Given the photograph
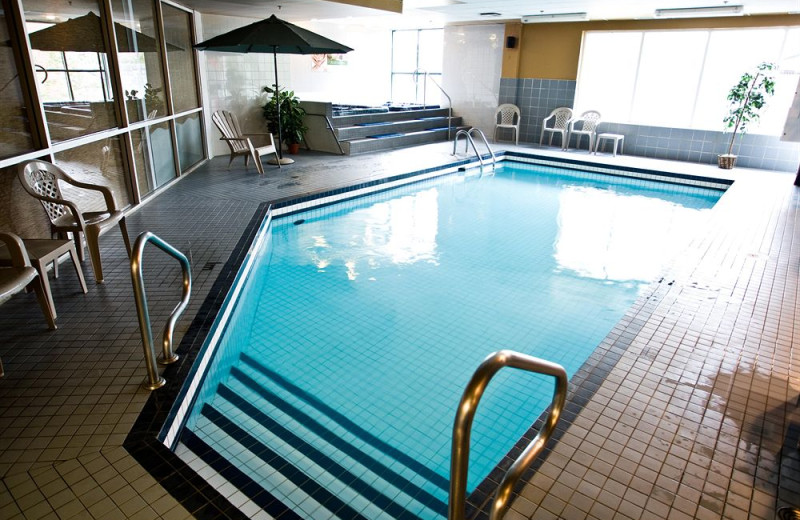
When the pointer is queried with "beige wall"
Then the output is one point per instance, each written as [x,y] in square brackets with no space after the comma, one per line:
[551,50]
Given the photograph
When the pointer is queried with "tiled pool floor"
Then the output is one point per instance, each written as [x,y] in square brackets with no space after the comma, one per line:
[697,415]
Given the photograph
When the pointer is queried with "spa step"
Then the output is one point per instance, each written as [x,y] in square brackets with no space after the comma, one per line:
[364,130]
[295,458]
[406,115]
[357,146]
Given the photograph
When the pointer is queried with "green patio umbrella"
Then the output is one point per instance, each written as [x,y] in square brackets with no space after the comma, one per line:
[276,36]
[84,34]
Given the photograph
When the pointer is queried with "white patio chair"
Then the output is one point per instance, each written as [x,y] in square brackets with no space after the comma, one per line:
[507,116]
[588,121]
[240,143]
[561,115]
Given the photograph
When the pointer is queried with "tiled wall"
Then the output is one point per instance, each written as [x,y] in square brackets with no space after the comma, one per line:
[536,98]
[233,81]
[473,57]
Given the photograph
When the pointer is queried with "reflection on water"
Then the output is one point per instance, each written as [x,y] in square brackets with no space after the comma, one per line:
[606,235]
[399,231]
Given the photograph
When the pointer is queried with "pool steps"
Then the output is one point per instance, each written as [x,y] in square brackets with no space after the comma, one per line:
[355,133]
[361,474]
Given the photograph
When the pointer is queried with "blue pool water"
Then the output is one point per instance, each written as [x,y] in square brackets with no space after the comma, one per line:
[361,323]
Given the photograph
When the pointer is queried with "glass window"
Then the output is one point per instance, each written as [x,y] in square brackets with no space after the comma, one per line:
[681,78]
[671,70]
[190,140]
[96,163]
[70,59]
[415,50]
[180,57]
[139,58]
[15,137]
[162,153]
[613,80]
[152,154]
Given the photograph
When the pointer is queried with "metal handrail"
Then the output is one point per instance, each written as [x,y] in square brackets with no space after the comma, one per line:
[467,142]
[485,141]
[168,356]
[462,427]
[425,98]
[329,124]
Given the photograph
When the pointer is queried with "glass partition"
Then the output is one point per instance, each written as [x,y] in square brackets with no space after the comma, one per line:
[190,140]
[162,154]
[15,137]
[96,163]
[71,63]
[139,58]
[180,58]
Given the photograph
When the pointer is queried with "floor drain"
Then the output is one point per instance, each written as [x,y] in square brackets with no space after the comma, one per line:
[298,222]
[210,265]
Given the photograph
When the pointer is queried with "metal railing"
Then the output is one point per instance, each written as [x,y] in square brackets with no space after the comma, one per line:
[168,356]
[330,127]
[462,427]
[469,141]
[422,72]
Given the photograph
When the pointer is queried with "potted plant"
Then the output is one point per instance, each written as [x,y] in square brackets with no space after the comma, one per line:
[292,127]
[747,98]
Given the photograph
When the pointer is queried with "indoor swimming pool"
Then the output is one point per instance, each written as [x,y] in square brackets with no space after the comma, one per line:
[336,375]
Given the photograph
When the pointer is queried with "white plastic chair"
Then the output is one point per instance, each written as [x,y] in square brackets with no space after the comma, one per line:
[507,116]
[588,126]
[40,179]
[562,116]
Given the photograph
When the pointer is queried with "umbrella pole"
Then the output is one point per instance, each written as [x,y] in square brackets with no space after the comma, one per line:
[280,159]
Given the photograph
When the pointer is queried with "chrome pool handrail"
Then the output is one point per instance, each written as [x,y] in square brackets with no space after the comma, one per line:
[485,141]
[462,427]
[469,141]
[168,356]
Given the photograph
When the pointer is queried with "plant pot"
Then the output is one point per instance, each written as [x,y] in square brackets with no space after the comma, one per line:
[293,148]
[726,161]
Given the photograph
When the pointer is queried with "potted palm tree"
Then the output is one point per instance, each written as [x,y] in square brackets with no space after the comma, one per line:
[292,128]
[746,98]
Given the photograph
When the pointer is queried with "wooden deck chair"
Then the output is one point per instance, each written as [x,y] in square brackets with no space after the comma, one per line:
[239,143]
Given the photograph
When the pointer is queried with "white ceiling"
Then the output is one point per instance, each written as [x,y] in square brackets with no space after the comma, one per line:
[424,13]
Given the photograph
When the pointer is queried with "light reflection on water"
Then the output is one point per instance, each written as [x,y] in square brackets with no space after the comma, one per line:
[606,235]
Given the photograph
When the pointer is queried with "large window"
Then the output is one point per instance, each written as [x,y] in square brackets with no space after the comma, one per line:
[680,79]
[414,52]
[70,59]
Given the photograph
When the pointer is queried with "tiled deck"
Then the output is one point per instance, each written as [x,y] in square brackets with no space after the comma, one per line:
[696,416]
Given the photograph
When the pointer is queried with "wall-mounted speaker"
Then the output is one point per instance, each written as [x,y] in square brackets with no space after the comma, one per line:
[511,42]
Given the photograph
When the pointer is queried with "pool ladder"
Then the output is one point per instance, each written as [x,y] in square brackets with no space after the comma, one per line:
[154,380]
[470,141]
[462,427]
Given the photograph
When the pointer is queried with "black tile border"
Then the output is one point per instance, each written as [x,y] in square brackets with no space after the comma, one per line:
[206,503]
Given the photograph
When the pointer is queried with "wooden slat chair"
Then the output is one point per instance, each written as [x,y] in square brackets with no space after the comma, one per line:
[240,143]
[22,274]
[40,179]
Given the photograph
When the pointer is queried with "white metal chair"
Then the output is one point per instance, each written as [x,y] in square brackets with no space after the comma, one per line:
[589,121]
[239,143]
[507,116]
[561,116]
[40,179]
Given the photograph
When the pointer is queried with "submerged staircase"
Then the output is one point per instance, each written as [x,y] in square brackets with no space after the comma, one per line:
[351,130]
[290,445]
